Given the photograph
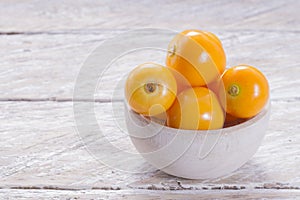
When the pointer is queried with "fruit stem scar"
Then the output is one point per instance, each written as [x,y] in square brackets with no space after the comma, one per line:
[173,50]
[150,87]
[234,90]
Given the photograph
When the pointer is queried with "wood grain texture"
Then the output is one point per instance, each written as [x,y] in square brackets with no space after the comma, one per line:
[145,195]
[43,46]
[32,66]
[40,147]
[87,16]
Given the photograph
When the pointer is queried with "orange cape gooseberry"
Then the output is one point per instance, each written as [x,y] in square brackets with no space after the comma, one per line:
[197,55]
[150,89]
[247,91]
[196,109]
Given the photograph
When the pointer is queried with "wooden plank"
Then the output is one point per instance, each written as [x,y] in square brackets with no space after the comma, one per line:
[146,195]
[36,67]
[43,46]
[40,147]
[73,16]
[29,69]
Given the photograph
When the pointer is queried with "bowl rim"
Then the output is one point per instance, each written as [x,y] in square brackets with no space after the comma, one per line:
[248,123]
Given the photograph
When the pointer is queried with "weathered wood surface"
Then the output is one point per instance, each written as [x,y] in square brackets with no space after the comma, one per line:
[47,151]
[32,66]
[87,16]
[145,194]
[44,44]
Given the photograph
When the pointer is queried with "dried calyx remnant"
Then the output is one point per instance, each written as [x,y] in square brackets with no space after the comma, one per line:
[172,50]
[150,87]
[234,90]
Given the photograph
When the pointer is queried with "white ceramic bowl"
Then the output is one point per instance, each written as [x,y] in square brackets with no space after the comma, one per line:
[197,154]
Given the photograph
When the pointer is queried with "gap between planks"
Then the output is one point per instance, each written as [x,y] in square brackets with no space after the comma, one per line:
[264,187]
[59,99]
[99,31]
[55,99]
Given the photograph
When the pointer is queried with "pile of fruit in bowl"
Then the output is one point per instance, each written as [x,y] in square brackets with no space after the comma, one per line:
[211,119]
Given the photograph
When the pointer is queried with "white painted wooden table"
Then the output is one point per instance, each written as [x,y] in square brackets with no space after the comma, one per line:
[44,44]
